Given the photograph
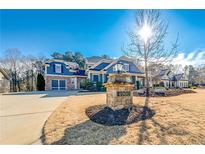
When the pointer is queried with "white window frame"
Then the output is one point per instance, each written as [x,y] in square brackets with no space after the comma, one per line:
[74,82]
[126,67]
[58,68]
[93,77]
[58,88]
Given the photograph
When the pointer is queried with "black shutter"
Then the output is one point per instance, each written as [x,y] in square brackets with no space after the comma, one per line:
[61,68]
[54,68]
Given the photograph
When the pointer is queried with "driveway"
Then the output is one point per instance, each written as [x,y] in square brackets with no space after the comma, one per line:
[22,115]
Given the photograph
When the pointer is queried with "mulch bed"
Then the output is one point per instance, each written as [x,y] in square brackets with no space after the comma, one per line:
[166,93]
[104,115]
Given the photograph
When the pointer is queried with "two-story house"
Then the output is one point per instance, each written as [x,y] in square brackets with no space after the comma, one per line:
[99,72]
[61,75]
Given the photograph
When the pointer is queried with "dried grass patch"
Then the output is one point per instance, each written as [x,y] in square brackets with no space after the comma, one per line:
[178,120]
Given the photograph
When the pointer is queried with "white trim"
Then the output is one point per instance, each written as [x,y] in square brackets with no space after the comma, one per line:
[58,88]
[75,83]
[54,60]
[134,74]
[45,73]
[97,72]
[103,78]
[98,77]
[101,61]
[56,75]
[115,61]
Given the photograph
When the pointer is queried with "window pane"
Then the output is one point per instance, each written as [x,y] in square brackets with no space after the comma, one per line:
[95,78]
[58,68]
[54,83]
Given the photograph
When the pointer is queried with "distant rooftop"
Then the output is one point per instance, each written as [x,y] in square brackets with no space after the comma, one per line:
[95,59]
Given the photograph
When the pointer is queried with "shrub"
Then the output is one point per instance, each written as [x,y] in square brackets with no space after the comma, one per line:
[161,84]
[40,82]
[99,86]
[192,86]
[86,84]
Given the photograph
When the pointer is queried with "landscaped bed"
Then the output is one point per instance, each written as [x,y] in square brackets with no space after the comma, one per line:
[177,120]
[165,93]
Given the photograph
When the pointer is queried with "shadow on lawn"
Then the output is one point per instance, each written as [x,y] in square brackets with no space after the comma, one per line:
[163,131]
[89,133]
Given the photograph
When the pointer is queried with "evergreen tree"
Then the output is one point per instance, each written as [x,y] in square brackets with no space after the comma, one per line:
[40,82]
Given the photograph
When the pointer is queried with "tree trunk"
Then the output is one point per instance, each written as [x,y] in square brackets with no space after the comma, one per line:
[27,81]
[146,71]
[146,80]
[31,80]
[15,82]
[19,87]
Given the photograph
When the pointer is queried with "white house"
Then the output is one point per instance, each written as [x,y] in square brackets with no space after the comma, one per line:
[168,79]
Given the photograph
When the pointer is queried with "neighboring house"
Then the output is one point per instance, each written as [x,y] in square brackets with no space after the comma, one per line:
[180,80]
[61,75]
[167,79]
[4,81]
[100,71]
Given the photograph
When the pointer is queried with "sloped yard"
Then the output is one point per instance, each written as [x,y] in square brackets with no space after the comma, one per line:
[177,120]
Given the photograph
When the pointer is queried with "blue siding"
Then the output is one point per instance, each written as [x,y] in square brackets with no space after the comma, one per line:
[132,67]
[64,70]
[100,66]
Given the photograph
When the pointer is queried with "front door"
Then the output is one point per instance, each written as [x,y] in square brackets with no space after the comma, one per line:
[138,85]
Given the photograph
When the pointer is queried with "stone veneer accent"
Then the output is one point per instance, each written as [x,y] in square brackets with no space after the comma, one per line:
[113,99]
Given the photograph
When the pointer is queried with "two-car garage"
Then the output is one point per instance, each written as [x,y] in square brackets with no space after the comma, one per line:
[63,82]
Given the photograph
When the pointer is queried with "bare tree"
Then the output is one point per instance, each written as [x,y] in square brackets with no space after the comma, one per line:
[29,71]
[11,63]
[22,69]
[147,41]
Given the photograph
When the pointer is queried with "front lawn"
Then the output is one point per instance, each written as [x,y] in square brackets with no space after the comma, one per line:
[177,120]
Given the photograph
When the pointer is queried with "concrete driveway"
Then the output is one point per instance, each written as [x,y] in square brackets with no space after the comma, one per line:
[22,115]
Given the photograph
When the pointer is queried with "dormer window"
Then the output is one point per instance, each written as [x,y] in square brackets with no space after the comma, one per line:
[57,68]
[126,67]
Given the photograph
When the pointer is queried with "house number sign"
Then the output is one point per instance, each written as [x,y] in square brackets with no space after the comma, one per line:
[123,93]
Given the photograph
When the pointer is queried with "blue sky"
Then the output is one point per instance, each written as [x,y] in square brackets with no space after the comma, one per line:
[92,32]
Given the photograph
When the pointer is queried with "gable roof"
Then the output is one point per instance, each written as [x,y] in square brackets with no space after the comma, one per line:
[105,64]
[72,65]
[172,77]
[125,58]
[100,65]
[95,59]
[178,77]
[164,72]
[4,73]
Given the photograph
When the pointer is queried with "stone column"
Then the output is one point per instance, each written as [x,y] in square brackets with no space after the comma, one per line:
[119,92]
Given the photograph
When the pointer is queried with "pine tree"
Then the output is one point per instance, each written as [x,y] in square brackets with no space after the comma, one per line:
[40,82]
